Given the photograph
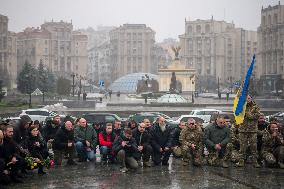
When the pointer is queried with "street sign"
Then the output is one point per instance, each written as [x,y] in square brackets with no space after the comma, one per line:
[101,83]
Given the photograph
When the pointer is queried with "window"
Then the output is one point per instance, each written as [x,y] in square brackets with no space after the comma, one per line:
[189,29]
[207,28]
[198,29]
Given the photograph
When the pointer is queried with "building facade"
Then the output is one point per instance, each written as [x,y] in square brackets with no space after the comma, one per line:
[217,50]
[271,48]
[99,64]
[132,50]
[8,57]
[62,50]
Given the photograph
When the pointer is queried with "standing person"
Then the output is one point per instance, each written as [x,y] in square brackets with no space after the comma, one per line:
[248,133]
[64,144]
[50,130]
[160,134]
[191,143]
[216,138]
[147,124]
[262,126]
[36,148]
[143,139]
[85,140]
[125,147]
[117,128]
[174,140]
[273,147]
[106,139]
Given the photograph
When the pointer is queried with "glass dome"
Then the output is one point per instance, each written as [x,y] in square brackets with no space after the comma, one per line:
[171,98]
[128,83]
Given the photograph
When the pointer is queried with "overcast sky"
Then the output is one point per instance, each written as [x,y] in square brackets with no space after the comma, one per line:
[165,17]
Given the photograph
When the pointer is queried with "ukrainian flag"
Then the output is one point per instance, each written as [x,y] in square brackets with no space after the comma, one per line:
[239,107]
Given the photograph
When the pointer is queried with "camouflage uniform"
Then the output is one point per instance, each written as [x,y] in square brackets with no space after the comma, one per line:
[273,149]
[233,147]
[187,138]
[248,133]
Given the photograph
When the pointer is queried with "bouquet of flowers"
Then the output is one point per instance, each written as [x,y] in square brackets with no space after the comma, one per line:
[32,164]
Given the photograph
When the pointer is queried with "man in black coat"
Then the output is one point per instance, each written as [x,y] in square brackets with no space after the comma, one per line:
[51,129]
[21,129]
[160,134]
[125,147]
[4,177]
[174,139]
[64,144]
[12,159]
[143,139]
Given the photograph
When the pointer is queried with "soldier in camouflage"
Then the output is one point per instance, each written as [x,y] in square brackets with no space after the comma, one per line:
[248,133]
[191,143]
[233,147]
[273,147]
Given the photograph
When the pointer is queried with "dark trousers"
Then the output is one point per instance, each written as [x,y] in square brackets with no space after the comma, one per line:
[159,157]
[145,154]
[126,160]
[58,154]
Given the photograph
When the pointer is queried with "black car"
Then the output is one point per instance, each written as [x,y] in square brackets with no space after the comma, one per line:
[139,117]
[101,118]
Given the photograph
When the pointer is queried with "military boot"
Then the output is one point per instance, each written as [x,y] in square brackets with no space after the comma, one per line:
[241,163]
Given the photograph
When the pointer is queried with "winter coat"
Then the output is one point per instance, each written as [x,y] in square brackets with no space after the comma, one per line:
[216,135]
[174,137]
[81,134]
[49,131]
[160,139]
[142,139]
[62,137]
[106,140]
[130,149]
[251,119]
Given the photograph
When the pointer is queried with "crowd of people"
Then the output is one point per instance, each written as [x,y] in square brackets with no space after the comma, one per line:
[28,145]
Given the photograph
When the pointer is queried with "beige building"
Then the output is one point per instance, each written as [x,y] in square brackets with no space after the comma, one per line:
[271,48]
[132,50]
[8,57]
[216,49]
[62,50]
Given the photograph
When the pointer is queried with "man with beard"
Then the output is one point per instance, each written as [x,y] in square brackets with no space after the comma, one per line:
[248,133]
[12,158]
[160,134]
[50,130]
[125,147]
[64,144]
[143,138]
[174,140]
[273,147]
[191,143]
[21,130]
[217,136]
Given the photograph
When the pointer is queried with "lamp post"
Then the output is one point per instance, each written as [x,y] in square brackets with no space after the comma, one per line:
[28,88]
[73,84]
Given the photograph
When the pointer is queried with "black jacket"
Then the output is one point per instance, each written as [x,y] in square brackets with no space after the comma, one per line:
[129,149]
[143,140]
[174,138]
[20,134]
[35,151]
[50,130]
[10,149]
[160,139]
[62,137]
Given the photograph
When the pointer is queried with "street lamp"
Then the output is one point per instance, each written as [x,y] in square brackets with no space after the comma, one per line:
[28,88]
[73,83]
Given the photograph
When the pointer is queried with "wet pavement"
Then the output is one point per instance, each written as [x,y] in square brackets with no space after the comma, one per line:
[95,175]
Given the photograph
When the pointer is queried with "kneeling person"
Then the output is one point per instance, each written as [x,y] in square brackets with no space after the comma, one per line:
[191,143]
[125,147]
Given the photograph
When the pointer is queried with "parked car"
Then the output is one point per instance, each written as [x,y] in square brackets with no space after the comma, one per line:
[161,114]
[101,118]
[186,117]
[139,117]
[39,114]
[205,114]
[279,116]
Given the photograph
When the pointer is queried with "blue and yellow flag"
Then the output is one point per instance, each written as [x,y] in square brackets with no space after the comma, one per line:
[239,107]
